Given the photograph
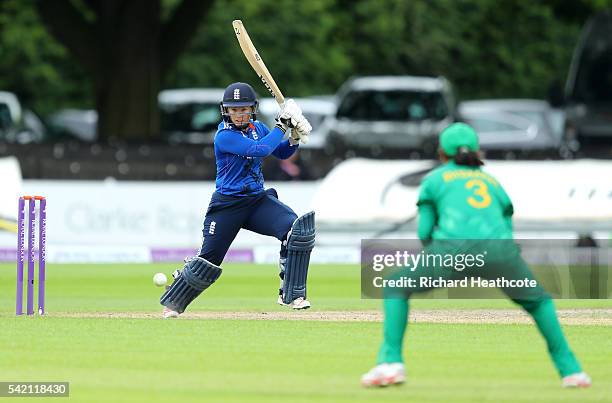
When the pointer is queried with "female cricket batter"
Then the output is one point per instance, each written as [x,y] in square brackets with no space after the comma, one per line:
[240,201]
[460,203]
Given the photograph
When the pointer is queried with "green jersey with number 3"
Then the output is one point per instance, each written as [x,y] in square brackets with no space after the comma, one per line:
[468,203]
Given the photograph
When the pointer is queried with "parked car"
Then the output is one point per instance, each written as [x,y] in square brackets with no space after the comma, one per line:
[391,112]
[514,127]
[74,123]
[18,124]
[318,110]
[190,115]
[186,115]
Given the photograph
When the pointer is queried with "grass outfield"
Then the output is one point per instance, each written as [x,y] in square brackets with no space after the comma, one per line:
[149,360]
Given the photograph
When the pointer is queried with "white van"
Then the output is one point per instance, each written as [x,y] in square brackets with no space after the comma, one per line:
[391,113]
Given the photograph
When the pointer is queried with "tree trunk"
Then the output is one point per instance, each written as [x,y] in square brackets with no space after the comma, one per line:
[127,83]
[127,50]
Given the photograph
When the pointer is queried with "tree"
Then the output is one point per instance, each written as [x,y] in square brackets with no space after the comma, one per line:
[298,40]
[35,66]
[487,49]
[127,48]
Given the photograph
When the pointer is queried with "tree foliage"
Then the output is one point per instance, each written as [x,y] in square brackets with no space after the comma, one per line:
[34,65]
[511,48]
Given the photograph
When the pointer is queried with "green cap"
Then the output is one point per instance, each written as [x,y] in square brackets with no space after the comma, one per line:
[456,136]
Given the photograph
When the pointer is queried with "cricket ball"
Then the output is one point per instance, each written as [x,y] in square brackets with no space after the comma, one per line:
[160,279]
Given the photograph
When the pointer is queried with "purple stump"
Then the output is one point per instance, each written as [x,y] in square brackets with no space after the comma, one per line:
[20,256]
[31,235]
[42,253]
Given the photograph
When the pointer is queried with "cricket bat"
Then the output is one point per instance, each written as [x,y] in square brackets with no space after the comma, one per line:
[250,52]
[252,55]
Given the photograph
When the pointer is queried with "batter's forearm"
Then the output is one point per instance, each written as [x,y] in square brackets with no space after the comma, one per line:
[285,150]
[246,147]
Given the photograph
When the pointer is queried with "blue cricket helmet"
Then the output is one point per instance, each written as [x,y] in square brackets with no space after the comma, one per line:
[237,95]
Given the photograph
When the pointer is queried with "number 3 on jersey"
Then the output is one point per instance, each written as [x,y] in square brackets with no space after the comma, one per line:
[481,197]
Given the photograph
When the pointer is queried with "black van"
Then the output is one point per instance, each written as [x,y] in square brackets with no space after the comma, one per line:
[588,91]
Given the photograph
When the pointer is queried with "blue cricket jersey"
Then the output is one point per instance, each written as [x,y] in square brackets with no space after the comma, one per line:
[239,156]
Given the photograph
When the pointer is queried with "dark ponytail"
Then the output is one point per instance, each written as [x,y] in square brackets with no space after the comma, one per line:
[467,157]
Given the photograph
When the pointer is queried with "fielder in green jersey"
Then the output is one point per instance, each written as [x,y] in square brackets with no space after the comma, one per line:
[463,208]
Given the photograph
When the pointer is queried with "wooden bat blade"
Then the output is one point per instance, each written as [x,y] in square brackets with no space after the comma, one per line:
[251,54]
